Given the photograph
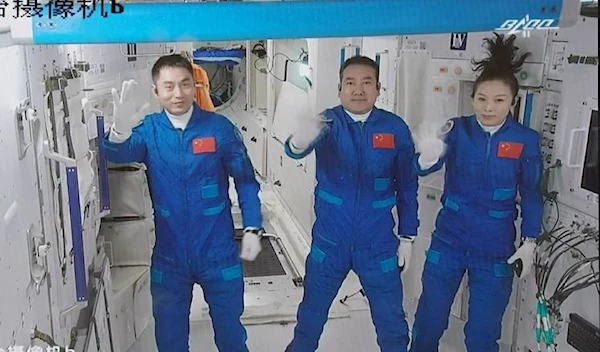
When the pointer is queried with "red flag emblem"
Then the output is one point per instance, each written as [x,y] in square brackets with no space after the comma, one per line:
[204,145]
[510,150]
[383,141]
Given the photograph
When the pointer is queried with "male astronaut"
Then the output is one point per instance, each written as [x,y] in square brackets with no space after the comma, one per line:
[363,157]
[190,154]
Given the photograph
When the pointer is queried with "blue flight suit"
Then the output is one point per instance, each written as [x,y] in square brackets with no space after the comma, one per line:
[475,229]
[188,172]
[363,170]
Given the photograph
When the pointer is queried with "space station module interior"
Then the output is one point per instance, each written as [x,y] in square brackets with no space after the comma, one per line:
[77,232]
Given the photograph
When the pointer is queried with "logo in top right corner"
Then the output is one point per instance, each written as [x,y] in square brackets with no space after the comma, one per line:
[526,25]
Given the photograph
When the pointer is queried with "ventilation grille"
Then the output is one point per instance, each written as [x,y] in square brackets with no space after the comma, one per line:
[266,263]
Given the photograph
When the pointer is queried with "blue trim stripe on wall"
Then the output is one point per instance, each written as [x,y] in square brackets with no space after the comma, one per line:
[528,109]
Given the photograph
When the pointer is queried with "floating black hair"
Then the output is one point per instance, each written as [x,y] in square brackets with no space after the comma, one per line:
[502,52]
[500,63]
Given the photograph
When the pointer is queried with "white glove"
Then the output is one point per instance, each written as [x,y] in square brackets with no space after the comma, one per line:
[250,246]
[127,115]
[307,131]
[431,150]
[404,253]
[525,253]
[429,144]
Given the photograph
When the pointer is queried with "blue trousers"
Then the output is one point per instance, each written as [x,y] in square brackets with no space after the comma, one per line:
[172,281]
[376,265]
[490,287]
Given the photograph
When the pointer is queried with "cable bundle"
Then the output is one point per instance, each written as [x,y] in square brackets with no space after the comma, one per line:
[577,277]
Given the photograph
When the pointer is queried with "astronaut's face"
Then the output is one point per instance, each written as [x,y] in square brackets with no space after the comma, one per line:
[492,102]
[359,89]
[175,89]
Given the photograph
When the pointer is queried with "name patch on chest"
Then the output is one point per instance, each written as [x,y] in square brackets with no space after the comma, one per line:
[383,141]
[510,150]
[204,145]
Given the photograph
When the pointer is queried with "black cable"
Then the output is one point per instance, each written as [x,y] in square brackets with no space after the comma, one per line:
[271,60]
[583,282]
[559,297]
[573,271]
[547,269]
[267,70]
[547,278]
[361,291]
[543,270]
[569,282]
[560,239]
[563,282]
[539,270]
[576,285]
[559,301]
[545,260]
[559,242]
[585,259]
[552,201]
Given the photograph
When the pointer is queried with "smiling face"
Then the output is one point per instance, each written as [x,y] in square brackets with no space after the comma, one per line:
[175,89]
[492,102]
[359,88]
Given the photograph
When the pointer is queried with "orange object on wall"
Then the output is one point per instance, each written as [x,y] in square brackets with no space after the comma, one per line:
[202,89]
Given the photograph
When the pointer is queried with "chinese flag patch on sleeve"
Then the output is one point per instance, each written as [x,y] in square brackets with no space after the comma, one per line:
[383,141]
[510,150]
[204,145]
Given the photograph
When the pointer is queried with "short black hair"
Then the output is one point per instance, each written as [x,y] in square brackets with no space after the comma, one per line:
[360,60]
[174,60]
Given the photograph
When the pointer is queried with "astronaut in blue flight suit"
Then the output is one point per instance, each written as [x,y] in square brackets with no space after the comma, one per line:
[489,159]
[190,154]
[363,161]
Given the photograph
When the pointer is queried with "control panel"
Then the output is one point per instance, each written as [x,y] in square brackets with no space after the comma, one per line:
[549,122]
